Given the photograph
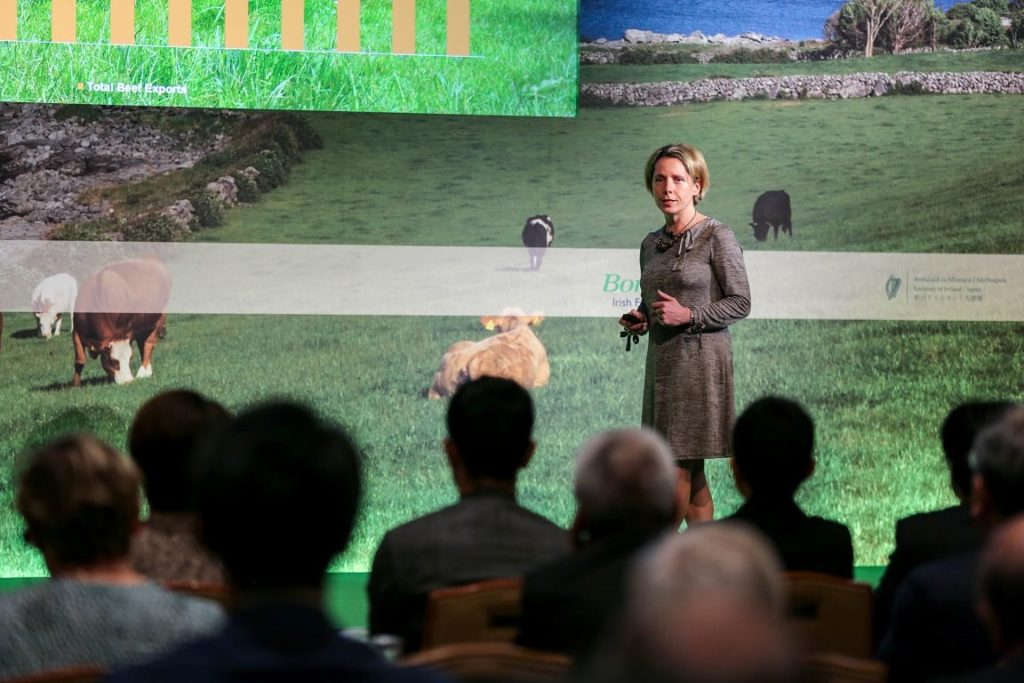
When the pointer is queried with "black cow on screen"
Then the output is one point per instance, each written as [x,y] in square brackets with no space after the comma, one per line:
[772,210]
[538,234]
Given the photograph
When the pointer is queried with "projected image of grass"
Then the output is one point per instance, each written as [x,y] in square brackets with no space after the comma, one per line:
[903,174]
[878,394]
[522,60]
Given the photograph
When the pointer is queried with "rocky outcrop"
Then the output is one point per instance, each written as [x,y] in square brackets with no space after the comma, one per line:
[224,190]
[604,51]
[634,36]
[51,161]
[799,87]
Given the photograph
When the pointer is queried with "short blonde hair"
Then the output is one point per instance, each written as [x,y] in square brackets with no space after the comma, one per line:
[691,159]
[80,500]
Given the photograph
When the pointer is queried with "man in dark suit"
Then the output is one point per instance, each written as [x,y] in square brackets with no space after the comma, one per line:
[942,533]
[773,444]
[277,495]
[486,534]
[1001,604]
[625,485]
[935,630]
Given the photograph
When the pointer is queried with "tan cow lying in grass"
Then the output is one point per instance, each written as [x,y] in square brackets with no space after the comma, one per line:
[514,353]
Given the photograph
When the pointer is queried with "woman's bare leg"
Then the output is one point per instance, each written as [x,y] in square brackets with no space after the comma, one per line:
[682,493]
[701,506]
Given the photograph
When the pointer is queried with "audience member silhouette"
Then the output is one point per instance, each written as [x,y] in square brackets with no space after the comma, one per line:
[163,439]
[773,446]
[277,495]
[705,606]
[486,534]
[625,486]
[80,501]
[942,533]
[1001,604]
[934,629]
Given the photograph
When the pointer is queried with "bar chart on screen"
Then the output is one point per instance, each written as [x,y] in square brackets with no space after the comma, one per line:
[431,56]
[63,15]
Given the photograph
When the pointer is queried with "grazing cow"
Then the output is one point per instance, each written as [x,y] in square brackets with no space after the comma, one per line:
[515,353]
[538,234]
[772,210]
[51,298]
[121,303]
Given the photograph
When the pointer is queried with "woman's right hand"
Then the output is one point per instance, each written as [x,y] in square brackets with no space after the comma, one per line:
[634,321]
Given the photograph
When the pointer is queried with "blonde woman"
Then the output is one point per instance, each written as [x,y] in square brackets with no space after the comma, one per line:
[694,286]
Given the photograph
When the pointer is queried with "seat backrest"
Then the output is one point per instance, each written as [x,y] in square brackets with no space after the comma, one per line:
[496,662]
[829,613]
[486,611]
[85,673]
[216,592]
[833,668]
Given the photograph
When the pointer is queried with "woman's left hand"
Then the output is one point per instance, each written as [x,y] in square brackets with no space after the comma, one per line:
[668,311]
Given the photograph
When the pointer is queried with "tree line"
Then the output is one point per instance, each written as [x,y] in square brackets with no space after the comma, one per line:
[898,25]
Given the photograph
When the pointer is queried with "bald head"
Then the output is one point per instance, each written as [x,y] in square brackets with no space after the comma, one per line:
[724,577]
[1001,583]
[625,477]
[728,558]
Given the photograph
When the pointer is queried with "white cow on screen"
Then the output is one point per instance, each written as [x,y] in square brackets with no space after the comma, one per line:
[51,298]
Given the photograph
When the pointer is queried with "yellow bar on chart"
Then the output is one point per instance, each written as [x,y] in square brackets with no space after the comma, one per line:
[179,23]
[236,24]
[62,22]
[122,22]
[348,25]
[8,19]
[293,25]
[403,27]
[458,28]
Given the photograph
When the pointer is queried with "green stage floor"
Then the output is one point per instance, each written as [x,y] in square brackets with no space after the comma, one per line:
[346,593]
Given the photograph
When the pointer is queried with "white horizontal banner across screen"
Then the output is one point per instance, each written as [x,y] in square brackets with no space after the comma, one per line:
[470,281]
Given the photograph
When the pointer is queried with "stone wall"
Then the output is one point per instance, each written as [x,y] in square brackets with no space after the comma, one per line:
[799,87]
[49,162]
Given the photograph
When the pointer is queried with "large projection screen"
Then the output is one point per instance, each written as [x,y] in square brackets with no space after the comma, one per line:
[896,297]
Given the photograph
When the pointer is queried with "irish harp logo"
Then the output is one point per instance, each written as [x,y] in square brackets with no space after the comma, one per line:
[892,287]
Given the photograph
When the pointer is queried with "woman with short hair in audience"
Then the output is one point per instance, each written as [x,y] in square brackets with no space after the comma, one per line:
[163,440]
[80,501]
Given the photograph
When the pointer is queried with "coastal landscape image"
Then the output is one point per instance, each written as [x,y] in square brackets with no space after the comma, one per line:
[911,155]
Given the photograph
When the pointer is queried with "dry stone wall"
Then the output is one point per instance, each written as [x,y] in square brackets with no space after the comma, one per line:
[799,87]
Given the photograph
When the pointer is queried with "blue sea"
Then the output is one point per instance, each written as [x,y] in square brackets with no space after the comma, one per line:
[793,19]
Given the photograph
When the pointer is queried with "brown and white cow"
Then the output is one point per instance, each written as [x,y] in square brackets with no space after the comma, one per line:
[515,353]
[121,303]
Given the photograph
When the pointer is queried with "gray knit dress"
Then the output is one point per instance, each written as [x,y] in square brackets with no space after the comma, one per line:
[688,387]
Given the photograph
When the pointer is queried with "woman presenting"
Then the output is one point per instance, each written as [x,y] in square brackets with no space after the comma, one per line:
[693,286]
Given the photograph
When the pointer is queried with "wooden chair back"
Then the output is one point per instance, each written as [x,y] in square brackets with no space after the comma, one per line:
[486,611]
[833,668]
[216,592]
[495,662]
[85,673]
[830,614]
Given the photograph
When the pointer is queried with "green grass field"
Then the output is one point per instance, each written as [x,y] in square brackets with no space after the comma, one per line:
[878,394]
[523,60]
[994,60]
[903,174]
